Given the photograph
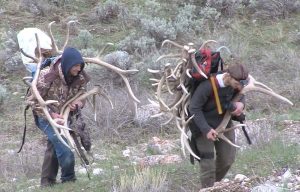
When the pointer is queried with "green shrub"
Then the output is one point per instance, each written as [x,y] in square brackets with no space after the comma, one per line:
[108,11]
[84,39]
[277,9]
[3,95]
[137,44]
[159,28]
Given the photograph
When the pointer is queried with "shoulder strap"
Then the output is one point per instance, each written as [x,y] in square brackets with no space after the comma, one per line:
[24,131]
[216,94]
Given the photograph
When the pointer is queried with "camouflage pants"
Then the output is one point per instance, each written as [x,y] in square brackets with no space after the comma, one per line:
[216,158]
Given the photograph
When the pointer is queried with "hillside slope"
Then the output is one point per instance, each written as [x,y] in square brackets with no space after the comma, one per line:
[267,42]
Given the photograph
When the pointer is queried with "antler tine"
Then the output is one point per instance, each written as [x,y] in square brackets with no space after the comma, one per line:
[68,32]
[153,71]
[171,42]
[224,47]
[162,105]
[27,80]
[168,73]
[29,56]
[55,49]
[206,42]
[193,59]
[168,56]
[222,136]
[105,47]
[54,46]
[119,71]
[183,136]
[252,86]
[109,66]
[222,128]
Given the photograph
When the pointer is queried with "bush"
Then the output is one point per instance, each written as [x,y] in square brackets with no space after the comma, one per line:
[109,11]
[10,55]
[210,18]
[37,8]
[227,8]
[277,9]
[186,23]
[84,39]
[159,29]
[3,95]
[137,44]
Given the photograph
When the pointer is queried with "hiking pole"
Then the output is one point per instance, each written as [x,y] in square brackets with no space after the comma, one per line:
[246,133]
[241,120]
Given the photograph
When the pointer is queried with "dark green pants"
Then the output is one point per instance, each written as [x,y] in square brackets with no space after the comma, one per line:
[50,166]
[216,158]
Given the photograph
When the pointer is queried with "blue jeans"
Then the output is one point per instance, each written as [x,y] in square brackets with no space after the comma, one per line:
[64,155]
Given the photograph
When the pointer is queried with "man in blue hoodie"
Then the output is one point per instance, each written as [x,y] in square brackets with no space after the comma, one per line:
[60,81]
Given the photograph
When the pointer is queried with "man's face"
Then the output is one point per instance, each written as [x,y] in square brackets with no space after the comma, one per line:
[235,84]
[75,69]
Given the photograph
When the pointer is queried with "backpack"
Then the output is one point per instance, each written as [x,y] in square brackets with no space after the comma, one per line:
[209,62]
[47,62]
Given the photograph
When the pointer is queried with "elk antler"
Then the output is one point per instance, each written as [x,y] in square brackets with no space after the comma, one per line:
[55,50]
[252,85]
[119,71]
[95,60]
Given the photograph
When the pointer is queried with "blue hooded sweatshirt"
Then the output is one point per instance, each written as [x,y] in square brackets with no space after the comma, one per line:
[69,58]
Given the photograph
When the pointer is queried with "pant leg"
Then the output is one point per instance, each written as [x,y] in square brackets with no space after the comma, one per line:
[50,166]
[225,155]
[64,155]
[207,162]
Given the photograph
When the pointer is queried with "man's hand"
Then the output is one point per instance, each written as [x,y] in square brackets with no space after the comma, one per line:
[59,119]
[73,105]
[212,135]
[239,107]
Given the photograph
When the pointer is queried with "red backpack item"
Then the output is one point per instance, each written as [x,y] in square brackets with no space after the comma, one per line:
[208,61]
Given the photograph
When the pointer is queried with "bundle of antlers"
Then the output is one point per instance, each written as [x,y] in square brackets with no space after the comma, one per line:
[63,130]
[174,81]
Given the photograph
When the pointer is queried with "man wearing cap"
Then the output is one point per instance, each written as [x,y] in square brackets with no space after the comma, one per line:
[60,81]
[217,156]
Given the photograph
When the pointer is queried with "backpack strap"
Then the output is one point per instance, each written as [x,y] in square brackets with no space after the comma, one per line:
[24,131]
[216,94]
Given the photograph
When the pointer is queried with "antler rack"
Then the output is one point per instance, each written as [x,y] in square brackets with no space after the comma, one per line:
[174,80]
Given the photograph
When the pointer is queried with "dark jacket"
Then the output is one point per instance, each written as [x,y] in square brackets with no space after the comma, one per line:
[204,108]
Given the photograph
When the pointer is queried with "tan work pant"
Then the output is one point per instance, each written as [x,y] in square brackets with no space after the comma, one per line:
[216,158]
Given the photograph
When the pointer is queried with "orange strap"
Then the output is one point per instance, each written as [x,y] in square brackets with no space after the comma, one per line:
[216,95]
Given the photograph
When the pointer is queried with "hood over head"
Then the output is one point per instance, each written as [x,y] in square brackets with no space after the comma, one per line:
[69,58]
